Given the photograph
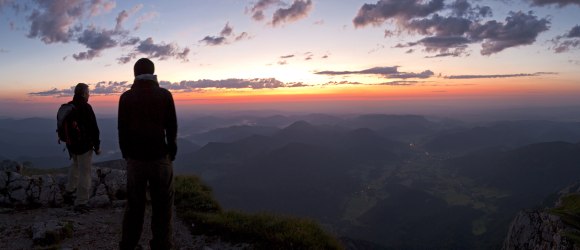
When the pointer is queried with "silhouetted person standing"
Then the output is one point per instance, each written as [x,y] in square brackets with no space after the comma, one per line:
[81,150]
[147,126]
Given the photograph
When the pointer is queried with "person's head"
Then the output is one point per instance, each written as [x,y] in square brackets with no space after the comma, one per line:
[143,66]
[82,90]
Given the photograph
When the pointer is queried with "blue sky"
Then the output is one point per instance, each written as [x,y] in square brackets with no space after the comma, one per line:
[306,47]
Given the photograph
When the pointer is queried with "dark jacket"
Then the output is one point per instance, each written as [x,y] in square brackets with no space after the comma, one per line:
[88,125]
[147,122]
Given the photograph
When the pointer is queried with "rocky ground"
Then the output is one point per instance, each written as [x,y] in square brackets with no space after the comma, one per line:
[98,229]
[33,215]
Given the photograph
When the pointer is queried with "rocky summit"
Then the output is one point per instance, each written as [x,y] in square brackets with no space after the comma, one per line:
[33,215]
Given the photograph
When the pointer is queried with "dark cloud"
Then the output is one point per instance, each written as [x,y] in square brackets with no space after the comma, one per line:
[499,76]
[226,36]
[371,71]
[444,43]
[400,83]
[96,41]
[53,21]
[234,83]
[568,41]
[130,41]
[298,10]
[439,26]
[286,56]
[213,40]
[519,29]
[399,10]
[462,8]
[243,36]
[62,21]
[452,35]
[449,29]
[386,72]
[258,9]
[227,30]
[54,92]
[574,32]
[403,75]
[560,3]
[456,53]
[116,88]
[58,20]
[161,51]
[107,88]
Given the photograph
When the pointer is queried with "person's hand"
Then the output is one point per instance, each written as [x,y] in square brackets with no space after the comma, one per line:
[98,151]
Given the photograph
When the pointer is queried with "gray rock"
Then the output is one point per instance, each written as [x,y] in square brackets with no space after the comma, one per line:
[101,189]
[537,230]
[3,179]
[100,201]
[49,232]
[11,166]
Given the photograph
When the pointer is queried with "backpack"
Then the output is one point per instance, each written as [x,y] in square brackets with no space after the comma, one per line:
[67,125]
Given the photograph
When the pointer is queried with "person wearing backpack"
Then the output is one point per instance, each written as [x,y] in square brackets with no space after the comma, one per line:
[147,126]
[80,132]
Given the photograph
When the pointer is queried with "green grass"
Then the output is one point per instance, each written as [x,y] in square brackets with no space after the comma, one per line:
[569,213]
[196,205]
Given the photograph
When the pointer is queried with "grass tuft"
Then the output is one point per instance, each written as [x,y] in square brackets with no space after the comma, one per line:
[196,205]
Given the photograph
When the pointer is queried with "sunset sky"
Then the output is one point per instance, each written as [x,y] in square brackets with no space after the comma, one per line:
[293,55]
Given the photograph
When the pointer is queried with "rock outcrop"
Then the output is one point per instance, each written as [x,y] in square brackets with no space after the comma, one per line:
[17,190]
[544,228]
[535,229]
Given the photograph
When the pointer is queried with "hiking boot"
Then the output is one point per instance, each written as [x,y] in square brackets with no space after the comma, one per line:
[69,198]
[82,208]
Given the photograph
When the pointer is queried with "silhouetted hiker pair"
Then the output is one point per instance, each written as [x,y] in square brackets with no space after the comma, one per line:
[147,126]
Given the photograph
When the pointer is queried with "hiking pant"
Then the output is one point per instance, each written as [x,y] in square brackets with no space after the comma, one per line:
[79,177]
[159,175]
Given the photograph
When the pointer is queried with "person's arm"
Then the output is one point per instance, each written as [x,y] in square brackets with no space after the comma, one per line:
[122,126]
[171,127]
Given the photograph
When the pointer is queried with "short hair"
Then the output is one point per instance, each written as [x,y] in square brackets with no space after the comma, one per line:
[81,88]
[143,66]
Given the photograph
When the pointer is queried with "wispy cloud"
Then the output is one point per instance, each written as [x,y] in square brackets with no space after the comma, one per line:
[386,72]
[116,88]
[161,51]
[499,75]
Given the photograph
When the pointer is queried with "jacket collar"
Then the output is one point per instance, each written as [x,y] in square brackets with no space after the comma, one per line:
[145,80]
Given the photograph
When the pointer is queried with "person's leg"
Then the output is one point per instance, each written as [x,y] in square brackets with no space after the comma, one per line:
[135,208]
[73,175]
[161,190]
[84,186]
[72,182]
